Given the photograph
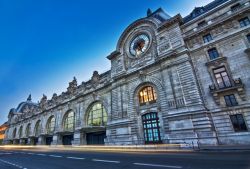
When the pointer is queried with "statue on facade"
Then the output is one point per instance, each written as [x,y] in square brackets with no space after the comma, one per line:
[43,102]
[72,86]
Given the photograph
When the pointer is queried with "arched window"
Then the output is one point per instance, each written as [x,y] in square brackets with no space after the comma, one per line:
[14,133]
[28,129]
[69,121]
[51,125]
[97,115]
[147,94]
[20,132]
[38,128]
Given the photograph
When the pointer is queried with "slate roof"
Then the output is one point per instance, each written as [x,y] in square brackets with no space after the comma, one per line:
[201,10]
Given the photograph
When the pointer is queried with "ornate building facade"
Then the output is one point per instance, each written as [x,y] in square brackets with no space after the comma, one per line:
[172,80]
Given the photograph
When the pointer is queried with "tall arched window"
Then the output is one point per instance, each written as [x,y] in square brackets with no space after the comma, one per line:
[97,115]
[20,132]
[14,133]
[51,125]
[38,128]
[69,120]
[147,95]
[28,129]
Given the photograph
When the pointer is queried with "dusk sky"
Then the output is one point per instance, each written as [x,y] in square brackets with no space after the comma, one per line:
[44,44]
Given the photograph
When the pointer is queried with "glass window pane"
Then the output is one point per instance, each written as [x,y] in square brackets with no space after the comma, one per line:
[147,94]
[97,115]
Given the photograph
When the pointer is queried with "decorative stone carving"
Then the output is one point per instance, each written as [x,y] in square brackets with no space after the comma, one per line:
[142,75]
[95,79]
[72,86]
[43,102]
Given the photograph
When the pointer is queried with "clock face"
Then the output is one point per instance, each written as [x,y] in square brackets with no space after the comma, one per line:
[139,45]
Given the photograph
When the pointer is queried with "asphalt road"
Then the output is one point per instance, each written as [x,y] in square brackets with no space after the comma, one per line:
[45,159]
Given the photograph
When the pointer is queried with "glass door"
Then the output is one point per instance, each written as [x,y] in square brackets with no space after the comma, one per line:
[151,128]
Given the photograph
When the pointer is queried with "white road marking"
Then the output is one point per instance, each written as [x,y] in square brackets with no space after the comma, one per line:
[41,154]
[55,156]
[76,158]
[157,165]
[106,161]
[18,166]
[5,153]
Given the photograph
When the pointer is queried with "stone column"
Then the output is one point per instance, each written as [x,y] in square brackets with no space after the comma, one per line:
[77,138]
[56,140]
[29,141]
[40,140]
[84,138]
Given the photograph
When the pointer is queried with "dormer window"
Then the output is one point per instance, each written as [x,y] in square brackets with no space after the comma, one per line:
[197,11]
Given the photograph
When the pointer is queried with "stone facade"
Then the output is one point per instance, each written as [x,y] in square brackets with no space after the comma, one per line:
[192,105]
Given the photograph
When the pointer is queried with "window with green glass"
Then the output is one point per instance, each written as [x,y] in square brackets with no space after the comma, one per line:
[38,128]
[51,125]
[97,115]
[69,121]
[20,131]
[28,128]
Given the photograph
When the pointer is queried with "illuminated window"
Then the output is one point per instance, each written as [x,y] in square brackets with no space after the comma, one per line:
[14,133]
[147,94]
[38,128]
[69,121]
[51,125]
[97,115]
[28,129]
[21,132]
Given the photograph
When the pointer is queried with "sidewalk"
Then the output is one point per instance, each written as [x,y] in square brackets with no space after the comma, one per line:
[224,148]
[168,148]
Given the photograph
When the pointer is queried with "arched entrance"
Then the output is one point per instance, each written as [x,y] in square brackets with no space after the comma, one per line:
[147,98]
[96,124]
[50,128]
[37,132]
[68,126]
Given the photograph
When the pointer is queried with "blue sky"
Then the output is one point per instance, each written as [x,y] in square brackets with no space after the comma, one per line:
[43,44]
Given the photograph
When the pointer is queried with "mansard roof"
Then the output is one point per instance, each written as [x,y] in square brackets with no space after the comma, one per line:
[201,10]
[24,104]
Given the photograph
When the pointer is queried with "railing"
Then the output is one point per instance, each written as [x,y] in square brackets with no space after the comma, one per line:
[225,85]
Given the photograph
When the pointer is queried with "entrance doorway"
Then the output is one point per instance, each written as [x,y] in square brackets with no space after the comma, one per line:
[151,128]
[67,139]
[48,140]
[34,141]
[25,141]
[96,138]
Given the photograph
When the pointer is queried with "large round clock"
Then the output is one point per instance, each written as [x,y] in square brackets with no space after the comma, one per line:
[139,45]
